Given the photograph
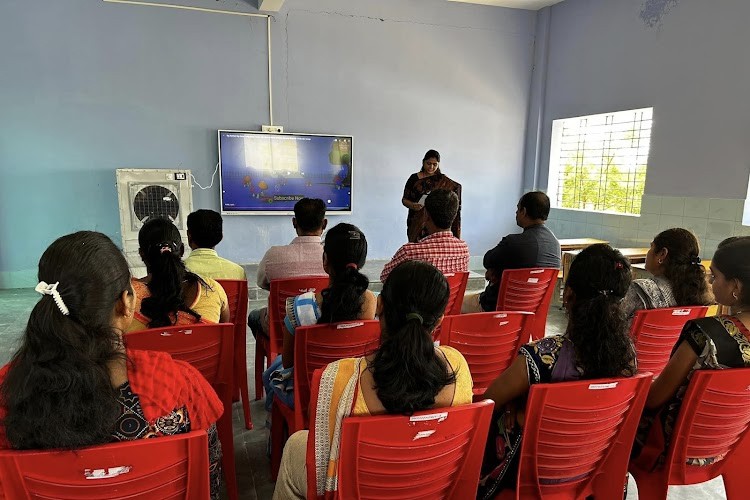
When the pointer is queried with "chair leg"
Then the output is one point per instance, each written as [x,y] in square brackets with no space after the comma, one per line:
[224,428]
[651,486]
[734,472]
[260,355]
[277,439]
[240,373]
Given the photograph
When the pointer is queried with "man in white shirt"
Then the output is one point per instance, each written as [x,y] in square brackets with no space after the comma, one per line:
[302,257]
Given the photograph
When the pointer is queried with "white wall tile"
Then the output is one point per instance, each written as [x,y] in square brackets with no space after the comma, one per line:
[670,221]
[671,205]
[740,212]
[697,225]
[578,216]
[564,228]
[563,214]
[649,223]
[644,238]
[627,237]
[593,231]
[611,234]
[611,220]
[719,229]
[629,222]
[709,249]
[594,218]
[650,204]
[696,207]
[578,230]
[722,209]
[741,230]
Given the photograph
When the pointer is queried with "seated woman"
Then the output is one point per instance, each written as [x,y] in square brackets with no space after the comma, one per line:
[170,294]
[73,384]
[346,298]
[679,278]
[712,343]
[595,345]
[406,374]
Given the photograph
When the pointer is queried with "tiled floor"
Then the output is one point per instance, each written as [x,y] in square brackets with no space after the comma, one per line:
[253,475]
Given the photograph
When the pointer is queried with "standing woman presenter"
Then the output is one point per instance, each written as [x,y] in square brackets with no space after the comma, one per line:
[416,190]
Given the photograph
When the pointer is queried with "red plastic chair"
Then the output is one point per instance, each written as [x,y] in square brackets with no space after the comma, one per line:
[208,347]
[280,291]
[528,290]
[489,342]
[577,438]
[166,467]
[655,332]
[713,422]
[236,291]
[315,347]
[433,454]
[457,284]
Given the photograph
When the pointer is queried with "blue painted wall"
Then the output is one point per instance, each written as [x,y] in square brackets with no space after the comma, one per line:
[87,87]
[686,58]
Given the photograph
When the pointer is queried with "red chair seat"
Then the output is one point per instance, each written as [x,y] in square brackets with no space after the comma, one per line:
[655,332]
[236,291]
[489,342]
[577,438]
[528,290]
[315,347]
[713,422]
[208,347]
[434,454]
[165,467]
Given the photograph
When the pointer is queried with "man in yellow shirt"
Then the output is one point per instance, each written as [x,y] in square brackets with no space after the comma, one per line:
[204,232]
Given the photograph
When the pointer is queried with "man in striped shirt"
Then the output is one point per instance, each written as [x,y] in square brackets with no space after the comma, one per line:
[439,248]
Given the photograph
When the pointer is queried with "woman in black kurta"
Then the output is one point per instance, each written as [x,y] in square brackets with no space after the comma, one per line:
[418,186]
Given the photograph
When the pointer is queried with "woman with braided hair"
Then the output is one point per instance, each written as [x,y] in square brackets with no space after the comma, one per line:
[406,374]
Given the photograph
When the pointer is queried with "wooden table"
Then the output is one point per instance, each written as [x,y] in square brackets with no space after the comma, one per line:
[578,243]
[634,255]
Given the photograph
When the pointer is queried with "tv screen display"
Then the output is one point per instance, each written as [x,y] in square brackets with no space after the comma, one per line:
[267,173]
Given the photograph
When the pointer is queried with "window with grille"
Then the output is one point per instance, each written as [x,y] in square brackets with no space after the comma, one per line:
[598,162]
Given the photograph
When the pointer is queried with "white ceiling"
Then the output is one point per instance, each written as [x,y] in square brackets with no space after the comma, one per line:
[514,4]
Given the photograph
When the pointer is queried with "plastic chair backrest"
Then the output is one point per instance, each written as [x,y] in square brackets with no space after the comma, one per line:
[655,332]
[713,422]
[578,435]
[236,291]
[318,345]
[280,291]
[435,454]
[457,283]
[208,347]
[489,341]
[165,467]
[528,290]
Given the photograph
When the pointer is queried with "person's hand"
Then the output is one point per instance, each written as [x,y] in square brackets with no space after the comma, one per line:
[417,207]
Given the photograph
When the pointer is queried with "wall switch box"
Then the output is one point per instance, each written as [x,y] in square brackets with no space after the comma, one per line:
[276,129]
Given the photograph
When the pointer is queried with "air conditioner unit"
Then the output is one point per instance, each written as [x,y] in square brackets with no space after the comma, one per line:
[145,194]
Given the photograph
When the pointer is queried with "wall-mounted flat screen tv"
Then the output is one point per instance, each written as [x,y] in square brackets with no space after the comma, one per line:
[267,173]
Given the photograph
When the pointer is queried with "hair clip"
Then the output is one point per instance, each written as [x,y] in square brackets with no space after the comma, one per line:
[46,289]
[696,260]
[354,235]
[618,265]
[352,265]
